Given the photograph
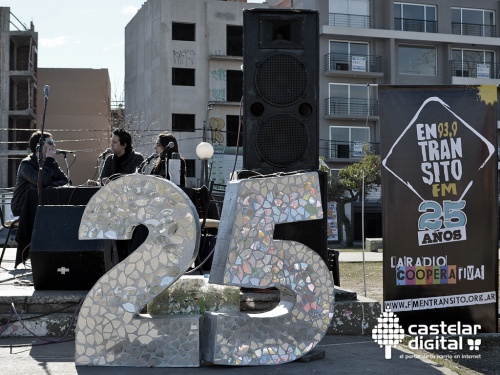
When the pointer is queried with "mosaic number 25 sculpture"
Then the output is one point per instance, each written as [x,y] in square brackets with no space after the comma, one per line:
[111,332]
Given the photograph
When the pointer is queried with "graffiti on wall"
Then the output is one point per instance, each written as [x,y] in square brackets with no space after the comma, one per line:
[184,57]
[218,78]
[217,125]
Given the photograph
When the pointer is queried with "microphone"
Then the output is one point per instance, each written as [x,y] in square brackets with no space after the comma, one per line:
[170,145]
[151,157]
[64,152]
[104,153]
[46,89]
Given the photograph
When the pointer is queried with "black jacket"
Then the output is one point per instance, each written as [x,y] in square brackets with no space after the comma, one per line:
[27,178]
[128,166]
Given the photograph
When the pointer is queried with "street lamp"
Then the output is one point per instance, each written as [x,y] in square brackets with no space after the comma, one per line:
[204,151]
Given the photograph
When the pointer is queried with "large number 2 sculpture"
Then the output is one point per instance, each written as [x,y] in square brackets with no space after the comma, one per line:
[110,330]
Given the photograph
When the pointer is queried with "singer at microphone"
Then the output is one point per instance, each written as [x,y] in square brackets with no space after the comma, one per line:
[166,145]
[123,158]
[27,176]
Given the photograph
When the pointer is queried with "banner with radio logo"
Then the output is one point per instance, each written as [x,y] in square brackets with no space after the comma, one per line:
[440,203]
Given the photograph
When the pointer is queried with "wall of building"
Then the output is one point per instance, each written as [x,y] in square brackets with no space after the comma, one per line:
[150,55]
[77,114]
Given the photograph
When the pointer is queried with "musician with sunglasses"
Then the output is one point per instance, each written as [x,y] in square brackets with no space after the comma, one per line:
[27,174]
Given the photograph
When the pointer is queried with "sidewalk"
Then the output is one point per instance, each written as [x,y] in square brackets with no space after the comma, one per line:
[359,256]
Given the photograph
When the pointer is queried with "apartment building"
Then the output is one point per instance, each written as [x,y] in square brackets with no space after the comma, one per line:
[183,67]
[364,43]
[18,90]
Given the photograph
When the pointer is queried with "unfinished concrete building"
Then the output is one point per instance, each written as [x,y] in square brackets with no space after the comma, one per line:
[18,88]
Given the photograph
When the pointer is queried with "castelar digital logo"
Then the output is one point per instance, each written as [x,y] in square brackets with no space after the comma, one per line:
[388,333]
[442,177]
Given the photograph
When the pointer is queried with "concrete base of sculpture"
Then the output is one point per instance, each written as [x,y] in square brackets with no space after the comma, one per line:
[354,315]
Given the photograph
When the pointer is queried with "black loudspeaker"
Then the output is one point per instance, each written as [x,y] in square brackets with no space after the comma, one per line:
[59,260]
[281,83]
[312,233]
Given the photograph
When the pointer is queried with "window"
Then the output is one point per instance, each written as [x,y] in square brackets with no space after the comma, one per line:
[182,77]
[232,125]
[234,37]
[234,85]
[183,31]
[359,7]
[475,22]
[349,56]
[472,63]
[347,141]
[350,13]
[417,60]
[346,99]
[415,17]
[190,168]
[183,122]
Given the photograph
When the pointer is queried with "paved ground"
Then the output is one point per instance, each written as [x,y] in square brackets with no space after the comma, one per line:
[342,354]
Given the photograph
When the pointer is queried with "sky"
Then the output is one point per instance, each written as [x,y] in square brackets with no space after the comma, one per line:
[86,34]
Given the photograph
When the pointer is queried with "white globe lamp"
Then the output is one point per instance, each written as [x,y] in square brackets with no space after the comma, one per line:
[204,151]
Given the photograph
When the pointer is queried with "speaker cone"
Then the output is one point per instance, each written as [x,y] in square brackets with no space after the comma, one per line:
[282,140]
[281,79]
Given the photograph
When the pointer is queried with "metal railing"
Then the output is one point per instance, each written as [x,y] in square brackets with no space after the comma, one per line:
[474,69]
[351,107]
[347,149]
[421,26]
[353,62]
[349,20]
[473,29]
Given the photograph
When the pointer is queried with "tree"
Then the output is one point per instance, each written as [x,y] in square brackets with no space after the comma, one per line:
[348,185]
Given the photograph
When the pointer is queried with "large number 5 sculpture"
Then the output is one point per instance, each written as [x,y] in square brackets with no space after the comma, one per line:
[110,330]
[247,256]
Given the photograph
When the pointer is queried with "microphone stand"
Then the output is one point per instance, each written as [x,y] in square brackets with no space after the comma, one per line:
[167,172]
[142,167]
[101,164]
[40,150]
[67,167]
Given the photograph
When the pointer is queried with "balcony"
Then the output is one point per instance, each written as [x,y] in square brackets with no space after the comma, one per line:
[341,108]
[474,69]
[336,64]
[334,150]
[473,29]
[349,20]
[420,26]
